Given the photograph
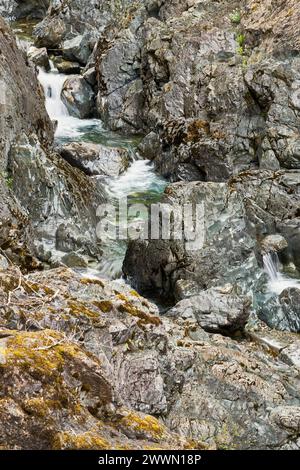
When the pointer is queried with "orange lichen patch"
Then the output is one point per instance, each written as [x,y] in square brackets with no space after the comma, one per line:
[104,305]
[40,407]
[144,318]
[144,426]
[84,441]
[135,294]
[87,281]
[78,309]
[195,129]
[36,288]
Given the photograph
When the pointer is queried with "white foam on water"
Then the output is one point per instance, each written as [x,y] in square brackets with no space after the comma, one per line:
[278,282]
[139,178]
[67,126]
[139,181]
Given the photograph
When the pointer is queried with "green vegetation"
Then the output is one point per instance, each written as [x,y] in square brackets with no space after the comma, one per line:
[240,39]
[9,180]
[235,17]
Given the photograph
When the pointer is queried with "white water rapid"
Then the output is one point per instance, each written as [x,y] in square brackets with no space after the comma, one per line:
[277,280]
[139,183]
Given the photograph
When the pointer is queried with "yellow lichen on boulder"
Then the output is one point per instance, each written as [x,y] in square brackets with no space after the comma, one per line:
[84,441]
[43,352]
[143,426]
[144,318]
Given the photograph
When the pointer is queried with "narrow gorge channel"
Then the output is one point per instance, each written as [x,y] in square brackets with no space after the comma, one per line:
[179,121]
[139,183]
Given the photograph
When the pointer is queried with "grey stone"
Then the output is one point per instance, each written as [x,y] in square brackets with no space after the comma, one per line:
[39,57]
[77,49]
[78,97]
[96,159]
[217,310]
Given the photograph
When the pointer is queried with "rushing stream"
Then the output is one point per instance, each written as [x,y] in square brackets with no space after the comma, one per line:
[277,280]
[138,184]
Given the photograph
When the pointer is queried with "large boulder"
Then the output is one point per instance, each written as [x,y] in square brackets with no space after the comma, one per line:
[217,310]
[96,159]
[78,49]
[90,351]
[39,57]
[17,9]
[225,253]
[49,34]
[78,97]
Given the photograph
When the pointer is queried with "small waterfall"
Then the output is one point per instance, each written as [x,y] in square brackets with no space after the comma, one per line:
[139,179]
[271,265]
[53,82]
[277,281]
[68,127]
[138,184]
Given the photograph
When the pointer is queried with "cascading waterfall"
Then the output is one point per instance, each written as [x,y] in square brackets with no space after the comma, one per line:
[52,83]
[68,127]
[277,281]
[139,183]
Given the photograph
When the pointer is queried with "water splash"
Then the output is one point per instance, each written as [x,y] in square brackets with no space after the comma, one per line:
[278,281]
[68,127]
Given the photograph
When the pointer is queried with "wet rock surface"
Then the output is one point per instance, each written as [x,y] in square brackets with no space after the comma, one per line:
[78,96]
[96,159]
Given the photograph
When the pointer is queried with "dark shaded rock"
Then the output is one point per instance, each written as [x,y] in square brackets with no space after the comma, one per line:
[66,67]
[17,9]
[90,76]
[290,302]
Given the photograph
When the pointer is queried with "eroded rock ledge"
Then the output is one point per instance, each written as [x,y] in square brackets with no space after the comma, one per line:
[82,359]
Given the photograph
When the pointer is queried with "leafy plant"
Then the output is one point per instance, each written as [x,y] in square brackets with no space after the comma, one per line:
[240,39]
[235,17]
[8,179]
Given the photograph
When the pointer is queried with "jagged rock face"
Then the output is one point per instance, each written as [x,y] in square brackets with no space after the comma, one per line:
[212,80]
[41,192]
[225,254]
[60,200]
[118,358]
[20,112]
[16,9]
[220,96]
[237,216]
[70,18]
